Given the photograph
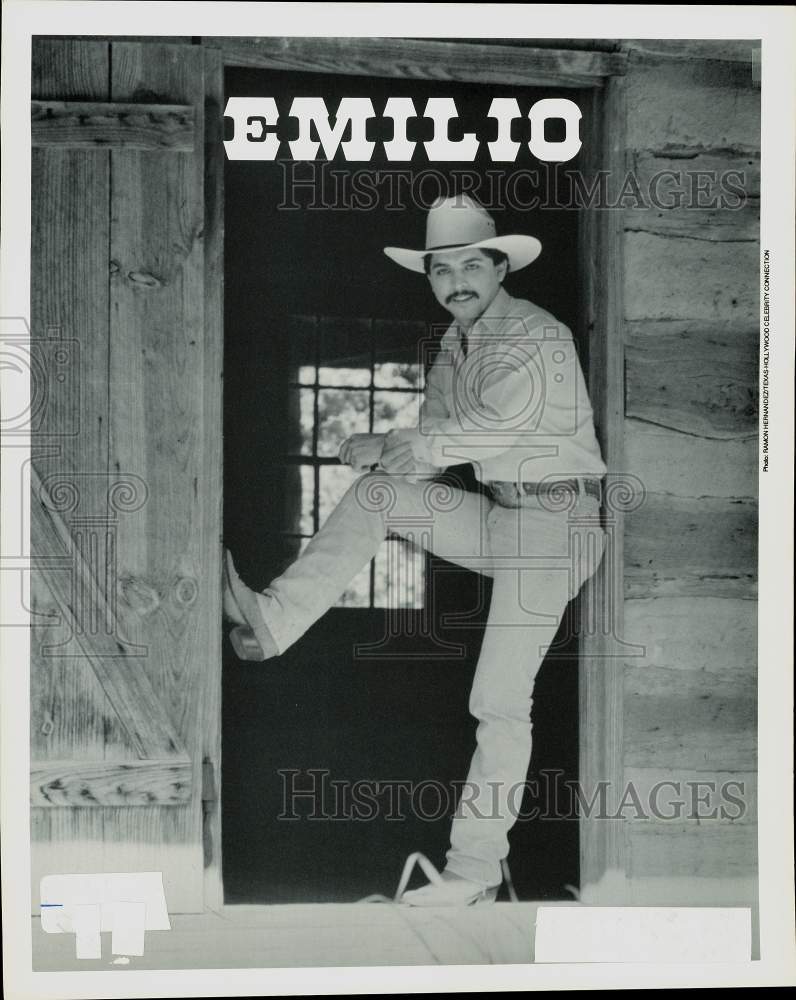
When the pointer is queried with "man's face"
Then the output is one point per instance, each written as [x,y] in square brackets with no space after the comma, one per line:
[465,282]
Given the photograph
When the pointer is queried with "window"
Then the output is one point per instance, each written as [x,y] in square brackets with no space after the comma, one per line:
[345,379]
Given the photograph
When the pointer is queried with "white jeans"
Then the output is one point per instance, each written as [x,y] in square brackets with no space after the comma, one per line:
[538,559]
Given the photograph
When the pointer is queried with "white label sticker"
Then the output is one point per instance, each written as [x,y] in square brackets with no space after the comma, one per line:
[643,934]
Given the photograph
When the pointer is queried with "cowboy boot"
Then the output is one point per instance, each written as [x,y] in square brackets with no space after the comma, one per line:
[450,891]
[251,638]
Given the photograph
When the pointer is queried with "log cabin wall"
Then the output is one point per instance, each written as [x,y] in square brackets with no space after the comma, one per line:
[691,314]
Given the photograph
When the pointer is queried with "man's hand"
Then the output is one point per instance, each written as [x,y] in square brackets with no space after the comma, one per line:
[397,458]
[360,451]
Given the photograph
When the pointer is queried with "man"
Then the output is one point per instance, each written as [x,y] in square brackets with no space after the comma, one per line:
[505,393]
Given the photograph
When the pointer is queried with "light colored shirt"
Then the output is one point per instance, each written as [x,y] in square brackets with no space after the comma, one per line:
[516,406]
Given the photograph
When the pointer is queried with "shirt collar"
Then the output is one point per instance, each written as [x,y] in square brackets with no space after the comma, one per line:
[496,313]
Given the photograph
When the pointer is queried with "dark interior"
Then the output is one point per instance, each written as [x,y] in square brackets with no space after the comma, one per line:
[382,718]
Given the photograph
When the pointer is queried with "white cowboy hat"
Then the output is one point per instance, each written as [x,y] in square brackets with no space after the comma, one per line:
[458,222]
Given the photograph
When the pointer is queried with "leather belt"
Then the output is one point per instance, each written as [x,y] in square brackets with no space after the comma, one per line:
[589,487]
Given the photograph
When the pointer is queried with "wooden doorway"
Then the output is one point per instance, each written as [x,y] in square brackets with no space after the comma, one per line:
[270,326]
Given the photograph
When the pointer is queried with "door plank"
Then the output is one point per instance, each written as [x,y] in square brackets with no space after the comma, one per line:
[156,377]
[210,727]
[126,783]
[126,685]
[98,125]
[70,714]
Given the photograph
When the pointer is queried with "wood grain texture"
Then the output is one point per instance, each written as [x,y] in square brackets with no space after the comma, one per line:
[696,193]
[157,430]
[114,839]
[690,719]
[70,714]
[697,103]
[673,635]
[703,851]
[689,797]
[128,690]
[698,383]
[669,278]
[601,257]
[670,461]
[69,69]
[141,783]
[693,49]
[671,172]
[156,373]
[423,60]
[93,125]
[676,547]
[212,387]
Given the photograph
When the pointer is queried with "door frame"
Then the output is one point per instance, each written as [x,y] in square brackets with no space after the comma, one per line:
[598,75]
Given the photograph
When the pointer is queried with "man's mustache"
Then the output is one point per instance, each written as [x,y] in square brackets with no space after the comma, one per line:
[453,295]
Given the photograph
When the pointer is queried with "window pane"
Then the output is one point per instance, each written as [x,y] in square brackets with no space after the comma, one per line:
[306,374]
[341,413]
[399,575]
[307,521]
[335,480]
[354,377]
[396,375]
[395,409]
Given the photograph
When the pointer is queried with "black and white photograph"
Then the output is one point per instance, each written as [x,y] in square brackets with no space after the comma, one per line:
[397,447]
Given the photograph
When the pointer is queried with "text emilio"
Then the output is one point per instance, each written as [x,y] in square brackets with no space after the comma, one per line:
[255,118]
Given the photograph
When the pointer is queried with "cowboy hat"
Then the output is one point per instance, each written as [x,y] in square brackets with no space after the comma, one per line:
[458,222]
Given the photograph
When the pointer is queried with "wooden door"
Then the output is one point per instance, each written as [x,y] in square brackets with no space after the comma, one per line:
[125,474]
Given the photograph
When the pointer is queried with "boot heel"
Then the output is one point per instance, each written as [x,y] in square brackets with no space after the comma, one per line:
[246,644]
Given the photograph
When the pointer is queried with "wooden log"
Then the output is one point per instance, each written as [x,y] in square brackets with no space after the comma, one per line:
[692,49]
[668,278]
[698,103]
[702,384]
[108,783]
[673,634]
[695,193]
[705,850]
[741,225]
[690,719]
[689,797]
[668,461]
[671,173]
[736,327]
[423,60]
[676,547]
[97,125]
